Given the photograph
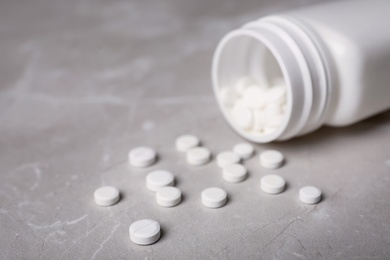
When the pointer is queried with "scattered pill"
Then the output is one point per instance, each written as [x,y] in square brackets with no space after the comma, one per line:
[144,232]
[168,196]
[310,195]
[244,150]
[142,157]
[159,179]
[227,157]
[214,197]
[106,196]
[272,184]
[271,159]
[186,142]
[198,156]
[234,173]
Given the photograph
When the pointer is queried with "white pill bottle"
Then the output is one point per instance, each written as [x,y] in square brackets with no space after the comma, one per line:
[334,59]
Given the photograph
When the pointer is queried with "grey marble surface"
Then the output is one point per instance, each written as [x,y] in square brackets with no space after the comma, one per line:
[82,82]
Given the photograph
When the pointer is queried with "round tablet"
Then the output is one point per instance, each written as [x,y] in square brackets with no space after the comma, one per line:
[186,142]
[214,197]
[168,196]
[144,232]
[244,150]
[142,157]
[234,173]
[310,195]
[253,97]
[198,156]
[243,83]
[271,159]
[272,184]
[276,94]
[159,179]
[226,158]
[242,115]
[106,196]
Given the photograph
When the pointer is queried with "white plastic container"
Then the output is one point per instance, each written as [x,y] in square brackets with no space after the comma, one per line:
[334,59]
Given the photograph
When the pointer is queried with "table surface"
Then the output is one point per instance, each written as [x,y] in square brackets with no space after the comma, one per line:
[83,82]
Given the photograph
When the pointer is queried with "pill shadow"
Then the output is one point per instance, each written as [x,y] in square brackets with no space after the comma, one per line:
[163,235]
[287,187]
[229,200]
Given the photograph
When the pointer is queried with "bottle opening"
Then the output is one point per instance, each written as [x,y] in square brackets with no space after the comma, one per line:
[250,86]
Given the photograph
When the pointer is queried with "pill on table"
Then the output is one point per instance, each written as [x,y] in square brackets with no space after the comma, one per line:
[198,156]
[227,157]
[186,142]
[106,196]
[214,197]
[272,184]
[234,173]
[168,196]
[310,195]
[244,150]
[144,232]
[142,156]
[159,179]
[242,115]
[271,159]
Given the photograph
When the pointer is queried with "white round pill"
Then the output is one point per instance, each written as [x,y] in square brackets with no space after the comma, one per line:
[242,115]
[106,196]
[259,120]
[142,156]
[244,150]
[168,196]
[144,232]
[234,173]
[226,158]
[276,94]
[253,97]
[243,83]
[186,142]
[159,179]
[214,197]
[271,159]
[198,156]
[310,195]
[272,184]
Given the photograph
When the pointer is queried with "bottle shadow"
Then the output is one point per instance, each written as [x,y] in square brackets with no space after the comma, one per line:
[325,134]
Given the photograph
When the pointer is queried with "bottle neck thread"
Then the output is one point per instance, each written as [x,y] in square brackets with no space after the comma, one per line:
[301,65]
